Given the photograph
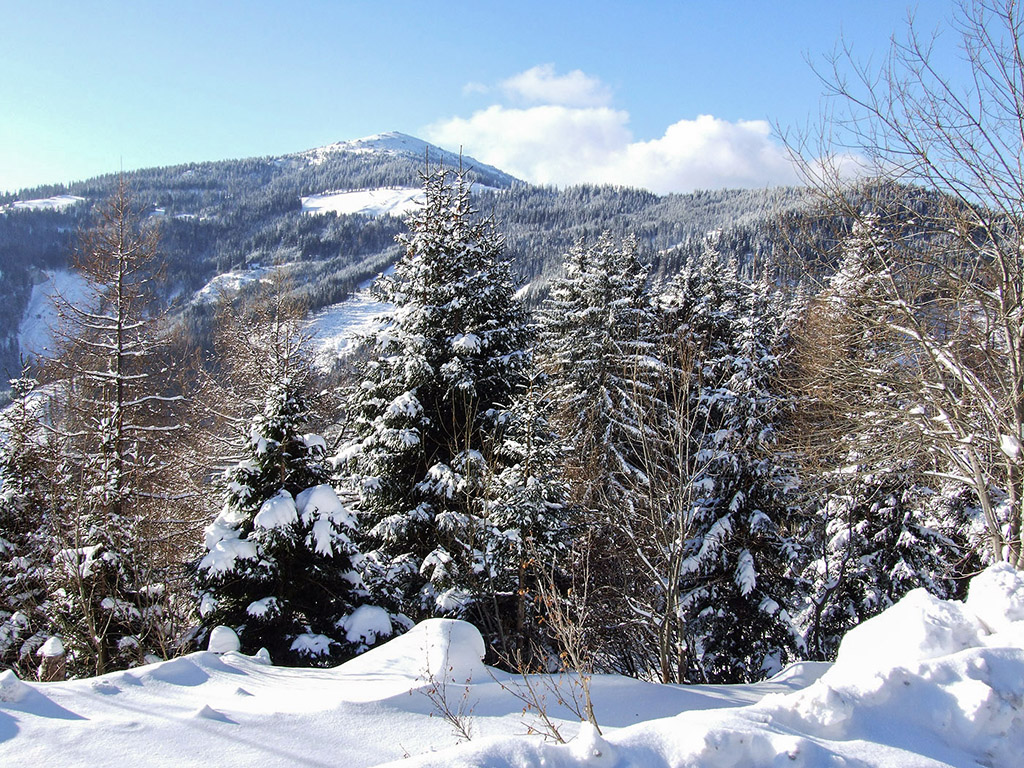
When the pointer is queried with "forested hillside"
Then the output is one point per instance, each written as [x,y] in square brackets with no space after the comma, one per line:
[233,216]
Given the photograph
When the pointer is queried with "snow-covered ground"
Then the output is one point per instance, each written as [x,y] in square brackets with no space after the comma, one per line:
[335,328]
[36,332]
[927,683]
[394,201]
[55,203]
[233,281]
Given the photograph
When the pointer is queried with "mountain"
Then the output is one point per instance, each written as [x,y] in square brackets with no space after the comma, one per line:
[326,219]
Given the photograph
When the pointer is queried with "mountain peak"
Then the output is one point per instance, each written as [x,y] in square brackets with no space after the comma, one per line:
[402,144]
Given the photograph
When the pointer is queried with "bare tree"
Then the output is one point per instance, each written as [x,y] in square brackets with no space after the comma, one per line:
[940,184]
[112,423]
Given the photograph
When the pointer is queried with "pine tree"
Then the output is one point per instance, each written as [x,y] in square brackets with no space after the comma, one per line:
[279,565]
[444,370]
[26,549]
[740,566]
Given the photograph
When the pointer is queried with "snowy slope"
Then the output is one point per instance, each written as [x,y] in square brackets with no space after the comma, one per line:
[928,683]
[55,203]
[232,282]
[336,328]
[394,143]
[394,201]
[36,333]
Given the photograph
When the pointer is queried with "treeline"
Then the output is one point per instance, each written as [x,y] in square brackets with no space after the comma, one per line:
[232,215]
[678,480]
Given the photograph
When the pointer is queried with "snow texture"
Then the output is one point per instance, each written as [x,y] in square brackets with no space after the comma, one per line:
[223,640]
[441,649]
[391,201]
[230,283]
[277,512]
[925,684]
[55,203]
[366,624]
[335,329]
[52,648]
[38,324]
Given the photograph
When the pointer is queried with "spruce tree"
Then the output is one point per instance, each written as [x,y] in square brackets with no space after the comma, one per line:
[739,573]
[597,337]
[443,371]
[26,542]
[279,565]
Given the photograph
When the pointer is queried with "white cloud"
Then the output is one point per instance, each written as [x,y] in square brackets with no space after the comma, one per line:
[472,88]
[540,85]
[544,145]
[571,145]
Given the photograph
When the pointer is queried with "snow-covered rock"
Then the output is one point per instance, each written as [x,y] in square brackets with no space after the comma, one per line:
[223,640]
[435,649]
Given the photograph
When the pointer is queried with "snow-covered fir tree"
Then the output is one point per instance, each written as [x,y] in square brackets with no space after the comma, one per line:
[595,339]
[428,412]
[526,505]
[26,542]
[597,347]
[279,565]
[739,571]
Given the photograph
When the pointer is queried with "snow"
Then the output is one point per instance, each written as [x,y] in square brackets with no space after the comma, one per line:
[55,203]
[230,283]
[262,607]
[11,688]
[277,512]
[36,332]
[390,201]
[223,554]
[927,683]
[336,329]
[52,648]
[366,624]
[223,640]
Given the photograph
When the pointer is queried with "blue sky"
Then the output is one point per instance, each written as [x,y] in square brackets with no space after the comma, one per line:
[556,92]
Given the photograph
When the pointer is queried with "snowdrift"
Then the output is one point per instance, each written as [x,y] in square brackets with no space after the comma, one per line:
[927,683]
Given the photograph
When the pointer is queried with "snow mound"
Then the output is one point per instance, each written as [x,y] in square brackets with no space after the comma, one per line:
[223,640]
[926,683]
[996,597]
[11,688]
[917,628]
[435,649]
[934,668]
[589,747]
